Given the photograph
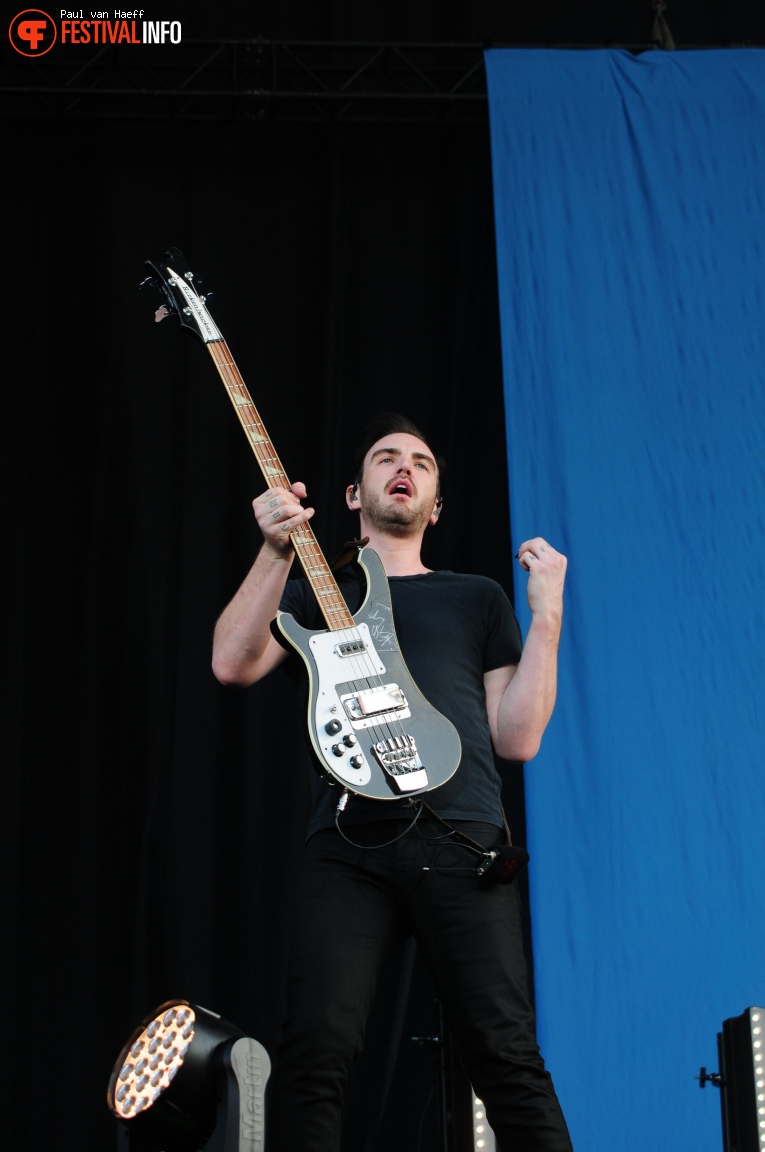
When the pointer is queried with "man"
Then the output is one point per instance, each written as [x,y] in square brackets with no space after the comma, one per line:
[375,874]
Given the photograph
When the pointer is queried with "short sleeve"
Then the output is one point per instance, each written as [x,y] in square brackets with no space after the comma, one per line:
[503,639]
[299,601]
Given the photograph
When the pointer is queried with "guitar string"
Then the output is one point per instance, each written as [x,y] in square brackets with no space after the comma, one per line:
[273,471]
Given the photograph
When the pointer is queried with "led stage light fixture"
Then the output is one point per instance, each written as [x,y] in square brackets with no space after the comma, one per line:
[189,1081]
[483,1133]
[741,1047]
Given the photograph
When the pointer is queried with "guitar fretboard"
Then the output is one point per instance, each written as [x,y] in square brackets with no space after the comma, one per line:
[325,589]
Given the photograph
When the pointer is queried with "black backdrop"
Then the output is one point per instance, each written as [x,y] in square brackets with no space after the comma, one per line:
[152,819]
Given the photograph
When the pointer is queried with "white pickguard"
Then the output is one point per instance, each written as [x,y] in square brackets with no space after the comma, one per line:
[334,670]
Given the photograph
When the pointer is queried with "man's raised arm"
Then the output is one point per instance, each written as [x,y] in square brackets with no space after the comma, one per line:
[520,700]
[243,648]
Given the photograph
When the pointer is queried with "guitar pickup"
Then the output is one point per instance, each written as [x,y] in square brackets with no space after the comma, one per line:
[398,758]
[373,705]
[350,648]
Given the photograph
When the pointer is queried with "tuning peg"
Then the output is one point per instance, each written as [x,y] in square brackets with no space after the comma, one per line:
[150,280]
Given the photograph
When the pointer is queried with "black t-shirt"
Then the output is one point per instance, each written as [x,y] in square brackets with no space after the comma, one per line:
[452,628]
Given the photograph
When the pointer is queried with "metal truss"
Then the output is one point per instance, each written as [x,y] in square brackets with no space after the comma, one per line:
[249,80]
[256,80]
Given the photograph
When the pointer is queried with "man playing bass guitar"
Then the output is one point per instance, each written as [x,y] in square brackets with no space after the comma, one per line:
[379,870]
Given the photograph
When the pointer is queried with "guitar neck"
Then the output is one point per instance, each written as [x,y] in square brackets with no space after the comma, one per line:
[318,573]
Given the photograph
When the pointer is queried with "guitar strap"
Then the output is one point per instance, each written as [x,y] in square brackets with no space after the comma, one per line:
[348,552]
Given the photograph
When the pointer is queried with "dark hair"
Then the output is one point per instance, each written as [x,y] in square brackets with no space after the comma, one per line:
[389,424]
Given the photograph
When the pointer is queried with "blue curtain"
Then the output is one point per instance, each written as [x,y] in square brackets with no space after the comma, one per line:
[630,211]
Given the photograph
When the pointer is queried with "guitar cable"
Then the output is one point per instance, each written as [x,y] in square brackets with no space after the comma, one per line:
[341,808]
[500,865]
[495,866]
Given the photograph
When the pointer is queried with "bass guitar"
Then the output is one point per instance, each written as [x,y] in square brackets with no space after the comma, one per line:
[371,729]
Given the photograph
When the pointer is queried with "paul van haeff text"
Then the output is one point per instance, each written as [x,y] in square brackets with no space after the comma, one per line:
[118,15]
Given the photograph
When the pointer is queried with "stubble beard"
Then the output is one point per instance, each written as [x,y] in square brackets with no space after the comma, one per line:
[395,519]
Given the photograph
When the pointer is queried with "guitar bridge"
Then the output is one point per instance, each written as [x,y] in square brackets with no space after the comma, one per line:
[398,758]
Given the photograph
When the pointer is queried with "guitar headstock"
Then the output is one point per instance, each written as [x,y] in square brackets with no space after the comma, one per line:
[175,280]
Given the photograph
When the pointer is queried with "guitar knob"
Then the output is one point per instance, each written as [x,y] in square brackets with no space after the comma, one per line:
[333,727]
[338,749]
[349,740]
[357,761]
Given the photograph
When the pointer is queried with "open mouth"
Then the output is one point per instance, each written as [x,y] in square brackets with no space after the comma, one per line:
[400,488]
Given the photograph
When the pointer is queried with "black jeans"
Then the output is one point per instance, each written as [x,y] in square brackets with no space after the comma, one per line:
[354,905]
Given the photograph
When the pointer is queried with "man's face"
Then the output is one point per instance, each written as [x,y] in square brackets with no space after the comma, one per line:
[397,493]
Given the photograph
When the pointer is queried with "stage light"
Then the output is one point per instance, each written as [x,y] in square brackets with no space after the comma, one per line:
[483,1134]
[189,1081]
[741,1080]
